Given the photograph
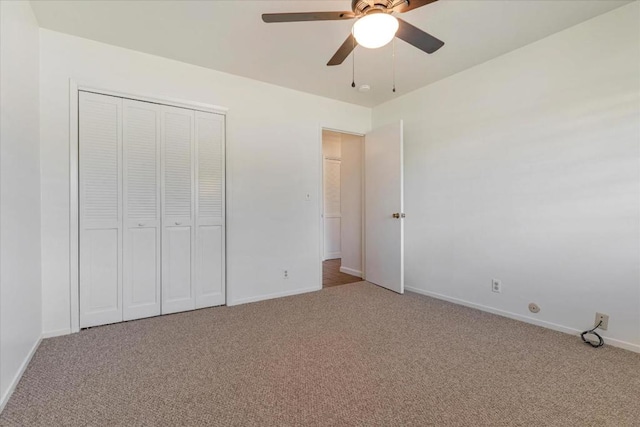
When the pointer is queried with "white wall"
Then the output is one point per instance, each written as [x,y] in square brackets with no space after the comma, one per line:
[20,285]
[273,142]
[526,169]
[351,203]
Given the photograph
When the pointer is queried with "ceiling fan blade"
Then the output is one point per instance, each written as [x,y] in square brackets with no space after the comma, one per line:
[306,16]
[407,5]
[418,38]
[343,51]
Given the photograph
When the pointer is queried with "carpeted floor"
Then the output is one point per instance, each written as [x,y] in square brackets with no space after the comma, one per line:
[347,355]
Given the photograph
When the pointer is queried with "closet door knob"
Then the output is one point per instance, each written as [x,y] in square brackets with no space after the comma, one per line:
[178,223]
[141,224]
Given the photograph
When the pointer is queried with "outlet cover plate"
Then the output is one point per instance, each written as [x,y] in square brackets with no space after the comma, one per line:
[496,286]
[605,321]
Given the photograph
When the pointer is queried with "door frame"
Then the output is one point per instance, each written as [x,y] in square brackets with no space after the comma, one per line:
[75,88]
[321,198]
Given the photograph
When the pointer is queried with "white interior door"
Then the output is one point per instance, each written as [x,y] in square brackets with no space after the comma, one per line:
[100,155]
[210,213]
[141,187]
[178,234]
[384,231]
[332,212]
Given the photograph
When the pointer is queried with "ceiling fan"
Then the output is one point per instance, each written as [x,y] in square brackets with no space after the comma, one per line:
[375,26]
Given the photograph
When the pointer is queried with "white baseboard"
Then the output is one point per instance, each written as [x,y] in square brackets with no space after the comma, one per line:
[272,296]
[560,328]
[333,255]
[56,333]
[18,375]
[351,271]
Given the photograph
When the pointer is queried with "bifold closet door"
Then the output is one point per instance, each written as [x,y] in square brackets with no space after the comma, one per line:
[141,203]
[178,213]
[152,209]
[100,215]
[210,213]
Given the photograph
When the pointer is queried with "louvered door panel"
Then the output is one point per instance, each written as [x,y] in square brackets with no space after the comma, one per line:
[178,210]
[210,219]
[100,187]
[141,169]
[178,169]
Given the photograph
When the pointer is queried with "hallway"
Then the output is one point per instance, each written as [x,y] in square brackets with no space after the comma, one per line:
[331,275]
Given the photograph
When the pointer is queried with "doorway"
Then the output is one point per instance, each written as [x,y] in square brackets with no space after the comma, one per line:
[342,214]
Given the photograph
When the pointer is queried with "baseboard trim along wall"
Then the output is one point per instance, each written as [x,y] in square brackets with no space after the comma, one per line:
[560,328]
[231,303]
[19,374]
[351,271]
[56,333]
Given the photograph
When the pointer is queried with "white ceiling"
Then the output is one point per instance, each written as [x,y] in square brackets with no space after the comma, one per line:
[230,36]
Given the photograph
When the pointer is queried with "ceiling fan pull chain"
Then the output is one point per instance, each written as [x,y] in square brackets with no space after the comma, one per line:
[393,63]
[353,65]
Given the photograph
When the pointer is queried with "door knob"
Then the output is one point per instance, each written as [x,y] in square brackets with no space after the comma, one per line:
[178,223]
[141,224]
[399,215]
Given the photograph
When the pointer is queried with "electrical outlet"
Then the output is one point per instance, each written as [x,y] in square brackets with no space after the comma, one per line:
[604,318]
[496,286]
[286,274]
[307,197]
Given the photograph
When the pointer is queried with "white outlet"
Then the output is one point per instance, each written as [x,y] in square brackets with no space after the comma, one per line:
[307,197]
[496,286]
[286,274]
[604,318]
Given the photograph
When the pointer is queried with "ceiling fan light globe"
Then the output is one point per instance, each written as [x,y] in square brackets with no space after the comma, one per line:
[375,30]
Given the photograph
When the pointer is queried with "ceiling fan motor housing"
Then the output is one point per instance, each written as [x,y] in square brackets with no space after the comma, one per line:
[360,7]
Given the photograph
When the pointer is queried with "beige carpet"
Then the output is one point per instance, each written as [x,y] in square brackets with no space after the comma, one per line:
[348,355]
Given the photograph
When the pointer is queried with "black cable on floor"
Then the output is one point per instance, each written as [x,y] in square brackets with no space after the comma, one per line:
[593,344]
